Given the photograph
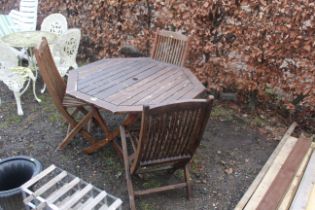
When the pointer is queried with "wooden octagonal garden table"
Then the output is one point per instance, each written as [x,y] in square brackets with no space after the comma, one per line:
[125,85]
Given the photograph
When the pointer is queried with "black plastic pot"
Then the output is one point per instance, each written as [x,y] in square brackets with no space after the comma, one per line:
[14,172]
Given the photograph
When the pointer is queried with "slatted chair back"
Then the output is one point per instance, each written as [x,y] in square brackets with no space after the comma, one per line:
[26,18]
[170,134]
[29,8]
[170,47]
[55,84]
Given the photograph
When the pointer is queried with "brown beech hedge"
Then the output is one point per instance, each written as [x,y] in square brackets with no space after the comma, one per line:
[261,49]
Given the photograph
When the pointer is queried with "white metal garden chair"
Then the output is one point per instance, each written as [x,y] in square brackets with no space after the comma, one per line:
[55,23]
[26,18]
[65,51]
[16,78]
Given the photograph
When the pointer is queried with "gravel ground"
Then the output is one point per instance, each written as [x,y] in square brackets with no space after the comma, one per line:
[230,155]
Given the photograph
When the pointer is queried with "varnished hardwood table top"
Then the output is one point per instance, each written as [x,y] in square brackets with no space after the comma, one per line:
[127,84]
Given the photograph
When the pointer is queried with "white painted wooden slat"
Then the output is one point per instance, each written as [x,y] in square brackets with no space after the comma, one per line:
[79,205]
[76,197]
[115,205]
[305,188]
[38,177]
[51,183]
[311,200]
[63,190]
[95,201]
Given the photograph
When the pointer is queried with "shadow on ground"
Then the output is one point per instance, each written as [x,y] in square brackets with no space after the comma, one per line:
[229,157]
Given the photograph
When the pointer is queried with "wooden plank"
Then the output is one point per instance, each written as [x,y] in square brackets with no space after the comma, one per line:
[271,174]
[76,197]
[111,74]
[86,69]
[176,93]
[134,89]
[252,188]
[194,92]
[114,205]
[118,79]
[168,81]
[94,70]
[63,190]
[80,205]
[282,181]
[38,177]
[96,101]
[305,187]
[129,80]
[311,200]
[50,183]
[287,200]
[94,202]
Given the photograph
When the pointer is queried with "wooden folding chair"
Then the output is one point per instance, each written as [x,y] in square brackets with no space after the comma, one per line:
[170,47]
[56,88]
[169,137]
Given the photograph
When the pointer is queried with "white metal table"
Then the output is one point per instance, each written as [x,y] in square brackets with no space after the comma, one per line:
[29,40]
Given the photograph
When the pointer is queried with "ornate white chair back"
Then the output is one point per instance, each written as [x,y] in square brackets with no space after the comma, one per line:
[67,46]
[55,23]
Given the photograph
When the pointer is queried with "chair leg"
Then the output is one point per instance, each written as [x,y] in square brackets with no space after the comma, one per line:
[43,89]
[75,130]
[89,125]
[17,96]
[188,182]
[34,91]
[69,128]
[127,170]
[130,192]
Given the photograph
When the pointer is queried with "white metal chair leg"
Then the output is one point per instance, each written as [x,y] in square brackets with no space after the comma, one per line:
[25,88]
[34,89]
[43,89]
[17,96]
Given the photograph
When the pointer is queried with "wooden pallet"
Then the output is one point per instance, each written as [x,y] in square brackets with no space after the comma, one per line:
[286,180]
[56,189]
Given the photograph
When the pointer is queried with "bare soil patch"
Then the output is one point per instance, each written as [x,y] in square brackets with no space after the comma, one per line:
[234,148]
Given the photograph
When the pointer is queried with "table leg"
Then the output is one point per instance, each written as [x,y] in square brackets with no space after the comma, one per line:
[129,120]
[31,59]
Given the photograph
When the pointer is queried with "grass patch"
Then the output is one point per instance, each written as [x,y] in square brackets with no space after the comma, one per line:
[47,103]
[222,113]
[11,120]
[151,184]
[113,164]
[179,174]
[54,117]
[146,206]
[258,121]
